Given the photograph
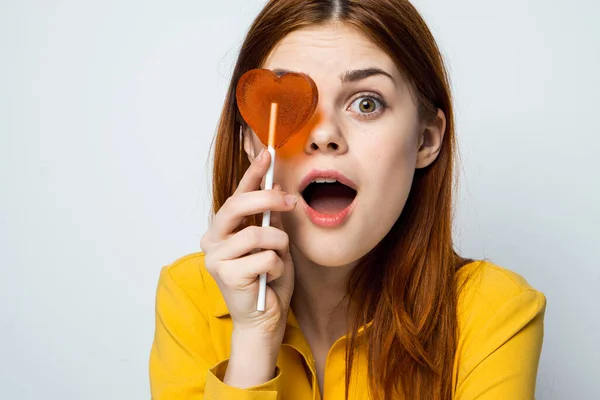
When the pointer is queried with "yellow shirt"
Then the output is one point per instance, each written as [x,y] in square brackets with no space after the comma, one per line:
[500,323]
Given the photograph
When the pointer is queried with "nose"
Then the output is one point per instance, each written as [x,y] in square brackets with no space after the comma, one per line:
[325,136]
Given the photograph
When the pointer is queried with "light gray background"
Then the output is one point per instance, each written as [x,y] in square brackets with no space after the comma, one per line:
[107,110]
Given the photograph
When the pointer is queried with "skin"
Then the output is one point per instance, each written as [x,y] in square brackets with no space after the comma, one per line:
[379,147]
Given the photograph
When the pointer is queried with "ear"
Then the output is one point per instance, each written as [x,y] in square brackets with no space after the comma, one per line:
[248,142]
[430,140]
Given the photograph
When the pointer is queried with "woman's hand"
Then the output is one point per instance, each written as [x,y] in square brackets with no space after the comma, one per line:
[236,259]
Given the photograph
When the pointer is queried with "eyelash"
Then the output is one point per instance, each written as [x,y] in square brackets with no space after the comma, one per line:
[378,99]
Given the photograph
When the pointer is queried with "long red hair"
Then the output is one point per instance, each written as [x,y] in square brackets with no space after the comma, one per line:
[406,284]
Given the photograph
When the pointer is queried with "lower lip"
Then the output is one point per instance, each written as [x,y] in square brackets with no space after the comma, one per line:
[328,220]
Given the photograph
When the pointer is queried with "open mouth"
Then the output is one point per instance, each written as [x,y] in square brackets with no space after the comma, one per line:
[328,196]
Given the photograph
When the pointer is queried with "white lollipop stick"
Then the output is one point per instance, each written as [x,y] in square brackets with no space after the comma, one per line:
[266,220]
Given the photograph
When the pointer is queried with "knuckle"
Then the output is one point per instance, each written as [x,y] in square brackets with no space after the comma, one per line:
[227,280]
[234,202]
[271,257]
[210,264]
[204,242]
[277,269]
[229,203]
[283,240]
[224,275]
[253,236]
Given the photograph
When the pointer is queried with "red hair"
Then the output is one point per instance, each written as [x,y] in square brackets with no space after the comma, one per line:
[406,284]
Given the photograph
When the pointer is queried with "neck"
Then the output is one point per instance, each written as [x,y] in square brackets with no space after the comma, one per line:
[319,301]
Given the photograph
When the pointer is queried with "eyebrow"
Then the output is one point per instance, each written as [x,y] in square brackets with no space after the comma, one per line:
[351,75]
[360,74]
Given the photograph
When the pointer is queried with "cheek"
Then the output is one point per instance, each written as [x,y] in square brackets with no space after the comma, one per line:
[283,174]
[394,174]
[389,169]
[392,156]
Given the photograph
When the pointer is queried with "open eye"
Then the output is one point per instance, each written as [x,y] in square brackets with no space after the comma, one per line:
[367,106]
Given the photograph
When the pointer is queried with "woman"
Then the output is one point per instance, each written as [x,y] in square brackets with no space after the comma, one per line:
[366,297]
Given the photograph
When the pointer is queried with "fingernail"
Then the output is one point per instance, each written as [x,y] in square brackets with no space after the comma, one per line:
[259,157]
[290,199]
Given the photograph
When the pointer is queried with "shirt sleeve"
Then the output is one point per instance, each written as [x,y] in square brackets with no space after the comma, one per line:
[499,359]
[183,361]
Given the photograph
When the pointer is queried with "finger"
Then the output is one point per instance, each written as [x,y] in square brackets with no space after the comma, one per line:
[239,206]
[243,272]
[205,243]
[276,216]
[276,221]
[252,238]
[271,278]
[254,175]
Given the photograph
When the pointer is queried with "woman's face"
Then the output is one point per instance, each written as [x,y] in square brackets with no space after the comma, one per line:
[365,130]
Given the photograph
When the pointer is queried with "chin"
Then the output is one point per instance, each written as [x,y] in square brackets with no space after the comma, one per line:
[331,249]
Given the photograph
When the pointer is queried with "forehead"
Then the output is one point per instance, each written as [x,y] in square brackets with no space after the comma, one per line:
[333,48]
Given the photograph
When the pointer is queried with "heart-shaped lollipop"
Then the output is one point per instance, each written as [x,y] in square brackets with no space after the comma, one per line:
[296,97]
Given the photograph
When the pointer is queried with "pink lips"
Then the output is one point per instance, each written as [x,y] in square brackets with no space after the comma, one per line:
[321,219]
[325,173]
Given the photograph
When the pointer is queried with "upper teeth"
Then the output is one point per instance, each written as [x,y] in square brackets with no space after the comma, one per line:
[325,180]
